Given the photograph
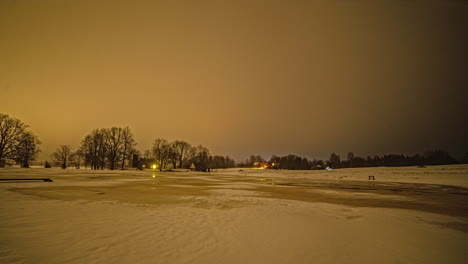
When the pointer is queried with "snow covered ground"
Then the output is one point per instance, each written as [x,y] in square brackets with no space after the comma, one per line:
[407,215]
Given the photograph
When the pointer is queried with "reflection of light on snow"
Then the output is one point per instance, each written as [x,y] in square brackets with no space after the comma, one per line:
[154,175]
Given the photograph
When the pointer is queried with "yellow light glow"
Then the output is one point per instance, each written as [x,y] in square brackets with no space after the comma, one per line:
[154,166]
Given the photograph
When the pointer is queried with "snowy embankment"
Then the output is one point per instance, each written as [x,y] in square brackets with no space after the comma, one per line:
[227,217]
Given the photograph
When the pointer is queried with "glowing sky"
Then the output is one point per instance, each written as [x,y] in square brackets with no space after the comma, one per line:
[241,77]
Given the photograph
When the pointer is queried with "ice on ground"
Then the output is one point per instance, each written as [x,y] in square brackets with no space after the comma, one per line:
[443,175]
[86,217]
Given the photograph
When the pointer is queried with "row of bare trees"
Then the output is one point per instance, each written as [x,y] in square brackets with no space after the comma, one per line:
[294,162]
[17,142]
[110,148]
[114,147]
[181,154]
[177,154]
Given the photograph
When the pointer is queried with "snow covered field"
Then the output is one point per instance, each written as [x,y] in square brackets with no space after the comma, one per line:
[407,215]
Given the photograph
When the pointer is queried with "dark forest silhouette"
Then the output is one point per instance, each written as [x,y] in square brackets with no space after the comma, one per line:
[114,148]
[294,162]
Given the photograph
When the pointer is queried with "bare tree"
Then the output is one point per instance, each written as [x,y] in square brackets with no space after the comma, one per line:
[172,155]
[199,155]
[128,145]
[94,150]
[11,133]
[62,156]
[148,154]
[76,157]
[108,146]
[350,158]
[114,143]
[334,161]
[27,149]
[88,153]
[160,152]
[181,150]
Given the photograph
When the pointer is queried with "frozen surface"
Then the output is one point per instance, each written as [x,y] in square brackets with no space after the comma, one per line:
[445,175]
[408,215]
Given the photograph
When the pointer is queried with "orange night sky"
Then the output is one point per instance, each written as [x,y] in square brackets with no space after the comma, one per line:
[241,77]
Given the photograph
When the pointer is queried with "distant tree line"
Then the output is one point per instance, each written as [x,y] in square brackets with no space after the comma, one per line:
[103,148]
[181,154]
[294,162]
[17,143]
[114,148]
[431,157]
[288,162]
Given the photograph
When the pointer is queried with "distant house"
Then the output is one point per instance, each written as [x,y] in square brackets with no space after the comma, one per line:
[265,165]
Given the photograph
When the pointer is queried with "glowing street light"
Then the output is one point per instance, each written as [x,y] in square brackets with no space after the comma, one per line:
[154,166]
